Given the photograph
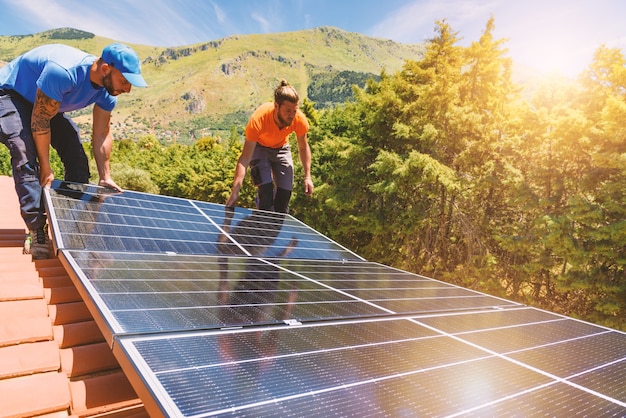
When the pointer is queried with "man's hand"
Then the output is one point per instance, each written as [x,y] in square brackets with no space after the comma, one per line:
[45,178]
[232,200]
[308,186]
[110,184]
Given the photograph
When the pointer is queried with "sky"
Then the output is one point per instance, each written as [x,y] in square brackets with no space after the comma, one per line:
[547,35]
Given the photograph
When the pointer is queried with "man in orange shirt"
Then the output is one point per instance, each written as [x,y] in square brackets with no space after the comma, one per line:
[268,154]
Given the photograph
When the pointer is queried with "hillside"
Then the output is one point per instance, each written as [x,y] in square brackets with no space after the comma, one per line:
[210,87]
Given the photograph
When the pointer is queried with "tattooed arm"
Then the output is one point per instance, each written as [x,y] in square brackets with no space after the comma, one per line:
[102,142]
[44,109]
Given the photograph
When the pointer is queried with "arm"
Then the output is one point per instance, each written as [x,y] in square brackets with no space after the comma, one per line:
[102,141]
[305,157]
[44,109]
[240,171]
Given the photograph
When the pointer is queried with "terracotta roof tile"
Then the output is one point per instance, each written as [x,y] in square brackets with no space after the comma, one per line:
[87,359]
[33,395]
[25,359]
[67,313]
[78,333]
[19,289]
[65,294]
[53,358]
[102,394]
[32,308]
[24,330]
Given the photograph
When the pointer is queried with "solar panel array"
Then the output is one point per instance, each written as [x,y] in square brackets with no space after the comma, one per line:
[236,312]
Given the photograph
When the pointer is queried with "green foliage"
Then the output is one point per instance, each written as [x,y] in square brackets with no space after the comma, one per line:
[5,162]
[136,179]
[308,108]
[327,88]
[68,33]
[201,171]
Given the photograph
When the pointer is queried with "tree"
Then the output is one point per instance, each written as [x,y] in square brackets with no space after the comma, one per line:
[595,275]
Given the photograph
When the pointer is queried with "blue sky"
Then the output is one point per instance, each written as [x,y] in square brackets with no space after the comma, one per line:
[559,35]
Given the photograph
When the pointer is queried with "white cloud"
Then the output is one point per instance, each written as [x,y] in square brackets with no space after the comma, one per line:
[220,15]
[415,22]
[547,35]
[40,10]
[262,21]
[148,22]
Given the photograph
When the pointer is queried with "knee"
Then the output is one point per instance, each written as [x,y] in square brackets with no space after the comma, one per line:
[78,170]
[265,194]
[281,200]
[26,173]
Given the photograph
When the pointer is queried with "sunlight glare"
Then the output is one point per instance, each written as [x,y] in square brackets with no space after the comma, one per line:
[553,45]
[553,56]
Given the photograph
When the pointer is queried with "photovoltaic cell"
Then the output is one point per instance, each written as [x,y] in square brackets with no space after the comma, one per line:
[236,312]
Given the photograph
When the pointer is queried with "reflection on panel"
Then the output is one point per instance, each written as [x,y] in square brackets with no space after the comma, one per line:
[556,400]
[96,219]
[270,235]
[87,217]
[574,356]
[237,370]
[476,321]
[154,292]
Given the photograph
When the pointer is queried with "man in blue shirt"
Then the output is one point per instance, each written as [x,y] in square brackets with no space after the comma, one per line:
[36,89]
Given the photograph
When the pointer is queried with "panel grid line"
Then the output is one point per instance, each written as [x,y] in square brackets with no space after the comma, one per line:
[529,367]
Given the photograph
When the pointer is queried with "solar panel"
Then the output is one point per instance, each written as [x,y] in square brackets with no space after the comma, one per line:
[383,367]
[154,292]
[87,217]
[236,312]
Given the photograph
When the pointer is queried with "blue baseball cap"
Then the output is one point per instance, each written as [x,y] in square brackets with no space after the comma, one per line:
[126,61]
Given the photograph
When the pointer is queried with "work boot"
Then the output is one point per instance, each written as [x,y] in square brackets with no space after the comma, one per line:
[37,243]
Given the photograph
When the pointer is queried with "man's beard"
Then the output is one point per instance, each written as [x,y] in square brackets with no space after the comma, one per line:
[284,121]
[107,82]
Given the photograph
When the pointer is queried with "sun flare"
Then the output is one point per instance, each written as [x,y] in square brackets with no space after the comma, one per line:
[553,44]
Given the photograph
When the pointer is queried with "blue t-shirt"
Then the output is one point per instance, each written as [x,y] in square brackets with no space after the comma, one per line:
[62,74]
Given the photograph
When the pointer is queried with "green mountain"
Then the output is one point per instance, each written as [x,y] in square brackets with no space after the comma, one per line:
[212,86]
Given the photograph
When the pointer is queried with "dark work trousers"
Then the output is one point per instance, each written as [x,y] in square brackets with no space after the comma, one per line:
[15,133]
[271,170]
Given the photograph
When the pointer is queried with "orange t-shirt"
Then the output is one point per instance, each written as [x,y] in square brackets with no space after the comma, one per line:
[262,129]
